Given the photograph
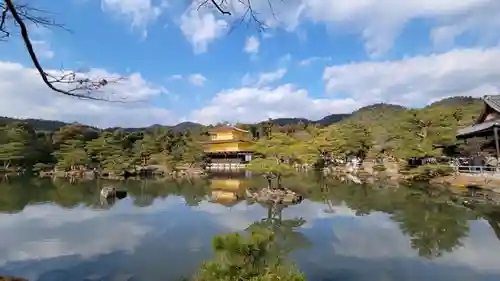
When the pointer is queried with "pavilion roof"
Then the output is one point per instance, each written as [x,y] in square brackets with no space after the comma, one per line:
[481,128]
[226,128]
[493,101]
[478,129]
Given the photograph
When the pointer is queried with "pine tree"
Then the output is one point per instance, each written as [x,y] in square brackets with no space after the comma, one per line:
[72,155]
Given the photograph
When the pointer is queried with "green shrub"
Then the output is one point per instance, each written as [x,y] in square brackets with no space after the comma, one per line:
[430,171]
[39,167]
[250,257]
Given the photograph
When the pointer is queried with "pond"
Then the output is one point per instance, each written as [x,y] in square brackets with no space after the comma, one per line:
[163,230]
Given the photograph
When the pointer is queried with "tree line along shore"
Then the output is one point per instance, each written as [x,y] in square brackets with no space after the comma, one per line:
[388,132]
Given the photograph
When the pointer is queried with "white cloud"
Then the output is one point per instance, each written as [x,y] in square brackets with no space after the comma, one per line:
[252,45]
[175,77]
[25,96]
[483,19]
[197,79]
[411,81]
[47,219]
[201,28]
[42,48]
[285,59]
[311,60]
[247,79]
[480,249]
[414,81]
[379,22]
[418,80]
[44,232]
[140,12]
[264,78]
[110,240]
[253,104]
[270,77]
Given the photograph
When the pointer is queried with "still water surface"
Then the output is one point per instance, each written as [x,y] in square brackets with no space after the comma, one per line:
[163,231]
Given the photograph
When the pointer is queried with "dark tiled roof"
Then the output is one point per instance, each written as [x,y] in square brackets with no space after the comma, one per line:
[493,101]
[227,128]
[478,128]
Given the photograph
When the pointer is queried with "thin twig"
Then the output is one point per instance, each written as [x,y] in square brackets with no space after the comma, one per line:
[250,15]
[218,7]
[82,84]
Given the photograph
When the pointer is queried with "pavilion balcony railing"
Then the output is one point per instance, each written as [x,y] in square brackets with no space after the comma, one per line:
[466,165]
[478,170]
[224,161]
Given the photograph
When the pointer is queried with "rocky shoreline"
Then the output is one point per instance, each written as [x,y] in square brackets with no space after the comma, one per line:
[389,172]
[119,175]
[486,182]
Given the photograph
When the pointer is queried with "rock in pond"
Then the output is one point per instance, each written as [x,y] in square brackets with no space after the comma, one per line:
[110,191]
[275,196]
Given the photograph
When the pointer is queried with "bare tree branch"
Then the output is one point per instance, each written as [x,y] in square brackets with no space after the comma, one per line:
[218,7]
[79,87]
[28,14]
[249,15]
[75,84]
[3,19]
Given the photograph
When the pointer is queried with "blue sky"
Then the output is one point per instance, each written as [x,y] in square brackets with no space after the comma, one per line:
[316,58]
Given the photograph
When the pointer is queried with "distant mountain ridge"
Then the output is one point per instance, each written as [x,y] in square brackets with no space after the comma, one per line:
[381,110]
[176,128]
[54,125]
[325,121]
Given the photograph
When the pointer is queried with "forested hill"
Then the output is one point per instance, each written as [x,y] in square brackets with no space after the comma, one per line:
[38,124]
[52,125]
[176,128]
[456,101]
[369,114]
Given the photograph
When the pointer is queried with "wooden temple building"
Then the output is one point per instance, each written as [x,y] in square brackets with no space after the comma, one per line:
[228,147]
[487,124]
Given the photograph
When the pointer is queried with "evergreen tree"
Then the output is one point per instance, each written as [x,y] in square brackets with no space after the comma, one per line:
[72,155]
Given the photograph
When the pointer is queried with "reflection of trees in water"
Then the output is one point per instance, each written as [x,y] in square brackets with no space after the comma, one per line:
[285,230]
[16,194]
[489,213]
[433,228]
[427,215]
[145,192]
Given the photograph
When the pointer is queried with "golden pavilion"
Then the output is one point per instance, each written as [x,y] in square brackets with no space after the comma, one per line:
[227,191]
[229,145]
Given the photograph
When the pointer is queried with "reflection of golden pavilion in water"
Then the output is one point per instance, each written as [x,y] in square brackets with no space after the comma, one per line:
[227,191]
[228,147]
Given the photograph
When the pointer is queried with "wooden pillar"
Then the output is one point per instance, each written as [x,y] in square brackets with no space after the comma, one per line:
[495,133]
